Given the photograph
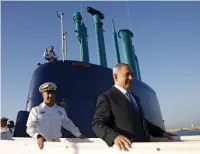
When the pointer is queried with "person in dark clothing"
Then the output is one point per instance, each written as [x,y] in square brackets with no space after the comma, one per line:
[119,118]
[11,125]
[50,55]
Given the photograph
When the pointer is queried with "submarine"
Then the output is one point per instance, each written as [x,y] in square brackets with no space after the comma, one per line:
[79,83]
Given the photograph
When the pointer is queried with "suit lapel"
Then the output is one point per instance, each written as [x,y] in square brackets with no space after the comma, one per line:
[123,102]
[126,106]
[137,99]
[141,113]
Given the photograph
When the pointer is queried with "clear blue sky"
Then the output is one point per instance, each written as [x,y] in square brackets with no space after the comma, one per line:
[166,40]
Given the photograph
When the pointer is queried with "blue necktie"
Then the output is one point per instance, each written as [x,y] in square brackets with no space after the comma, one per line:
[133,103]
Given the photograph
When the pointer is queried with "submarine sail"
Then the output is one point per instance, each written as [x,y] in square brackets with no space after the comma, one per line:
[79,83]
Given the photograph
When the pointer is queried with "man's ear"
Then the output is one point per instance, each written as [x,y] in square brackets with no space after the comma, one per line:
[115,76]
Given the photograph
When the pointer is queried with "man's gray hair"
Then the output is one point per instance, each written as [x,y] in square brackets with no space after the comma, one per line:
[117,67]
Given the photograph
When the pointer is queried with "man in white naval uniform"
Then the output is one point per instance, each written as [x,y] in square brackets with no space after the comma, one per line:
[45,121]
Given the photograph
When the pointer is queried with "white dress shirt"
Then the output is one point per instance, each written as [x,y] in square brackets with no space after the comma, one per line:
[48,121]
[124,91]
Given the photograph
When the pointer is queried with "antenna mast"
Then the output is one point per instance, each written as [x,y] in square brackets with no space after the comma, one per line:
[63,36]
[128,13]
[116,47]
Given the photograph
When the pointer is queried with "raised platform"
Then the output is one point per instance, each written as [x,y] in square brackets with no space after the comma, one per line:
[179,145]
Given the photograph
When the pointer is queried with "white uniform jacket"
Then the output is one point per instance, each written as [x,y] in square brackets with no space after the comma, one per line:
[48,122]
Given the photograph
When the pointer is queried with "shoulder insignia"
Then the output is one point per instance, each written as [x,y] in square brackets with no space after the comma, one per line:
[60,113]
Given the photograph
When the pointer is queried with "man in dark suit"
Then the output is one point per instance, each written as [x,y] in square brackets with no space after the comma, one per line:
[119,118]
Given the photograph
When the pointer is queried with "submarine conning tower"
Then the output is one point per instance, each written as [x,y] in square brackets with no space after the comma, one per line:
[98,16]
[80,83]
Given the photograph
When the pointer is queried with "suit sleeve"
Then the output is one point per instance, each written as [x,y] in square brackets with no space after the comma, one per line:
[101,121]
[154,130]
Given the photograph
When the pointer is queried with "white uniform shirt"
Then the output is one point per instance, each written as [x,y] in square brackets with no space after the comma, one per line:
[48,121]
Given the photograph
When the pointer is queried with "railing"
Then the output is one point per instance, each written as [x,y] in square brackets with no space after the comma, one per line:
[179,145]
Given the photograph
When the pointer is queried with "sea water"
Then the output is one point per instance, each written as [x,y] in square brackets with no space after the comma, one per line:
[188,133]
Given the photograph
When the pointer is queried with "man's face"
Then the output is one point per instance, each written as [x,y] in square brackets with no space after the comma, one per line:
[3,123]
[124,77]
[51,48]
[48,96]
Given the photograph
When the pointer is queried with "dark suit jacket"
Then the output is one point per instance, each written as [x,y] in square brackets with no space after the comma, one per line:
[115,116]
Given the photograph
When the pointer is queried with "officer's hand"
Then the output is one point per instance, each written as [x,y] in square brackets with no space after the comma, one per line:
[82,137]
[40,142]
[122,142]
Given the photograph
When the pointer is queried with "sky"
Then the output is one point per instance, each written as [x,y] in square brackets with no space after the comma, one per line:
[166,40]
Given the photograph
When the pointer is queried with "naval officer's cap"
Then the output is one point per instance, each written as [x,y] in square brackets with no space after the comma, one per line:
[48,86]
